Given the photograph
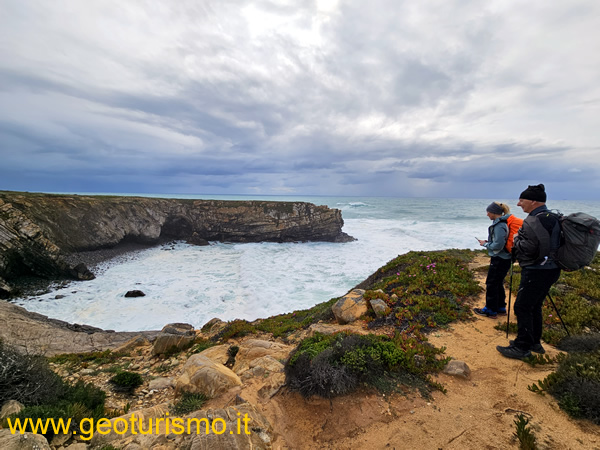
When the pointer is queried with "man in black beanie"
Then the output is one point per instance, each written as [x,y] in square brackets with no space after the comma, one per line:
[536,243]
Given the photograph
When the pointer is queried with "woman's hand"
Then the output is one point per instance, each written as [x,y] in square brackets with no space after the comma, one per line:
[481,242]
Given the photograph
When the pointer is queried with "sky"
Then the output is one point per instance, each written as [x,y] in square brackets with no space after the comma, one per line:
[435,98]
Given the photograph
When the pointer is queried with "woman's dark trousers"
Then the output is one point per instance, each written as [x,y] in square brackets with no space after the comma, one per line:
[495,297]
[535,284]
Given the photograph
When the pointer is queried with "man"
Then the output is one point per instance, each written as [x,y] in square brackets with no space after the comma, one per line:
[536,243]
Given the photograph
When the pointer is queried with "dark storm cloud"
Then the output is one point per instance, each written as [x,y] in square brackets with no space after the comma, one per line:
[324,97]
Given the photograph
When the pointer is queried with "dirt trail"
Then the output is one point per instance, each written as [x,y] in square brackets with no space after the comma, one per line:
[478,413]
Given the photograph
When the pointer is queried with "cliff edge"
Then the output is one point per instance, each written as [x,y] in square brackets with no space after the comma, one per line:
[38,231]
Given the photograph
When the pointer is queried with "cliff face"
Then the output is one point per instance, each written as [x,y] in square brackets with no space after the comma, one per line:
[38,230]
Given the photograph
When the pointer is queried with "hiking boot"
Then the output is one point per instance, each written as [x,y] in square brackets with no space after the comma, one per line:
[537,348]
[485,312]
[513,352]
[502,311]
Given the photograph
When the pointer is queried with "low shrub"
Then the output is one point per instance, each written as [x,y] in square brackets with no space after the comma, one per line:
[27,378]
[126,381]
[334,365]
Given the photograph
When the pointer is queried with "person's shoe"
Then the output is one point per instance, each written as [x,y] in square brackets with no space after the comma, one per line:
[537,348]
[485,312]
[502,312]
[513,352]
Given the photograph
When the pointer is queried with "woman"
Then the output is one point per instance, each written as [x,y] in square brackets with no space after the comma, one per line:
[495,297]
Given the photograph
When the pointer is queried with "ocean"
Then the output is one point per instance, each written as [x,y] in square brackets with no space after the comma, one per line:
[192,284]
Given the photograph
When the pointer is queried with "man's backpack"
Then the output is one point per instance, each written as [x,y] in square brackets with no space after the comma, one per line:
[513,223]
[580,237]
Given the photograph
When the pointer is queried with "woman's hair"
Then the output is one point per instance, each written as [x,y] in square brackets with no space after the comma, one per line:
[504,206]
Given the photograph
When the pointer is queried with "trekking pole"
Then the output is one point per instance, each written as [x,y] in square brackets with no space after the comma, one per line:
[556,309]
[509,295]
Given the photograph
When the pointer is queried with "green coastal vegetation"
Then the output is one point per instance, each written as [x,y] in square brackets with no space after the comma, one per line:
[423,292]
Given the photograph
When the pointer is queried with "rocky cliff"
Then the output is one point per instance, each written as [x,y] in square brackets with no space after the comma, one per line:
[37,231]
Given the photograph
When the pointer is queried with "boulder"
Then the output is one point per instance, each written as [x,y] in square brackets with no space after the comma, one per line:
[195,239]
[174,336]
[457,369]
[218,353]
[161,383]
[253,349]
[10,407]
[81,272]
[350,307]
[380,307]
[27,441]
[135,293]
[202,374]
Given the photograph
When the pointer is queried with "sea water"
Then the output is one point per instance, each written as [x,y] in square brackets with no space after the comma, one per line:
[191,284]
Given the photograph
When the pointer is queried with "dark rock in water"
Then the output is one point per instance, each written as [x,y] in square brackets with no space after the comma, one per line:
[135,293]
[58,297]
[197,240]
[81,272]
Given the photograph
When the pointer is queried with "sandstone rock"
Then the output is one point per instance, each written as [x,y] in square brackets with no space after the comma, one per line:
[60,439]
[218,353]
[271,386]
[201,374]
[37,334]
[380,307]
[134,293]
[174,336]
[133,343]
[350,307]
[77,446]
[253,349]
[256,435]
[326,328]
[268,363]
[259,431]
[10,407]
[161,383]
[27,441]
[457,369]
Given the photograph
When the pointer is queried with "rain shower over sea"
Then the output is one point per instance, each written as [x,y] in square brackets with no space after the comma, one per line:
[191,284]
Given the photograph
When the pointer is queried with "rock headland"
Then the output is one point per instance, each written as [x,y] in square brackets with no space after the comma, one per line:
[38,232]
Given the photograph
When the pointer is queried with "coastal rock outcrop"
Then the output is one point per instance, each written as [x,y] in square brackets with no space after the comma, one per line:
[39,231]
[35,333]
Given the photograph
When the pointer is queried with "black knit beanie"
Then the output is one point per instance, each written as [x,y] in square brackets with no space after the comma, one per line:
[535,193]
[494,208]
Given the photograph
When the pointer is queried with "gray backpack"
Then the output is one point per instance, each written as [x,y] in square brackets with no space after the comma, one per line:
[579,241]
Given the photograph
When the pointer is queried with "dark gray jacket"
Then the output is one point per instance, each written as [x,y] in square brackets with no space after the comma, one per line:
[538,240]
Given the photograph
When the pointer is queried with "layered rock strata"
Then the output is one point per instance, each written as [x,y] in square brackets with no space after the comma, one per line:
[37,231]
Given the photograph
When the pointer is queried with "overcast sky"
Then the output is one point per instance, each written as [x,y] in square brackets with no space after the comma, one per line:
[444,98]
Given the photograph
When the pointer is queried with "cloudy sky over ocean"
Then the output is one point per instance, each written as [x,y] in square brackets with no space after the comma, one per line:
[440,98]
